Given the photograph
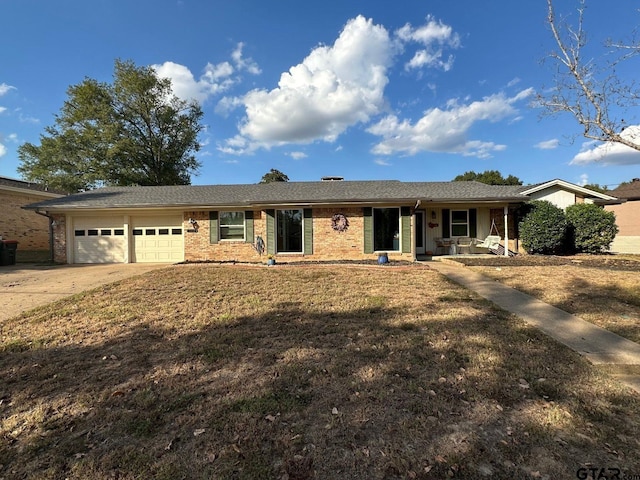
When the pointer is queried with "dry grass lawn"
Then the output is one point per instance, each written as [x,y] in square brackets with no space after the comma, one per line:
[607,297]
[338,372]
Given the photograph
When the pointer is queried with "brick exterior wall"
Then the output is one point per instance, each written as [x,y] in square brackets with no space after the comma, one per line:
[59,239]
[27,227]
[328,244]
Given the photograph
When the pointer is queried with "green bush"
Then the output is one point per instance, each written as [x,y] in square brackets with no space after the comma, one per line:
[543,228]
[591,228]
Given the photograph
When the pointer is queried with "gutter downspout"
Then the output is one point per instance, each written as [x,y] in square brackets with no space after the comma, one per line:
[51,259]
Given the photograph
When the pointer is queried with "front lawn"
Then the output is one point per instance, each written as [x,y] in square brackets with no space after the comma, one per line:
[323,372]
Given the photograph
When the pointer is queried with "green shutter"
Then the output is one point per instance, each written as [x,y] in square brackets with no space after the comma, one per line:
[473,223]
[248,226]
[308,231]
[405,225]
[446,225]
[271,232]
[213,227]
[367,214]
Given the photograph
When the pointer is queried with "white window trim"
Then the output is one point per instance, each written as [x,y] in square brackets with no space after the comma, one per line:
[220,226]
[451,224]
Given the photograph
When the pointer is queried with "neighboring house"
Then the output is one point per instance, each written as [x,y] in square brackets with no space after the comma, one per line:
[298,221]
[27,227]
[627,217]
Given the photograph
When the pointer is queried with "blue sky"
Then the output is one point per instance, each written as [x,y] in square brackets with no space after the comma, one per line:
[408,90]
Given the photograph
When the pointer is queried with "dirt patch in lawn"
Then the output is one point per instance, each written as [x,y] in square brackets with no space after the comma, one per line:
[203,371]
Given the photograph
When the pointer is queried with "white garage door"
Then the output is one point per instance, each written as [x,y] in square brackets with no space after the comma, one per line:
[157,239]
[98,240]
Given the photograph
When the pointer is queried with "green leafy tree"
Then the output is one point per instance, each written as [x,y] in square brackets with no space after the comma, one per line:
[131,132]
[591,228]
[543,229]
[490,177]
[597,188]
[274,175]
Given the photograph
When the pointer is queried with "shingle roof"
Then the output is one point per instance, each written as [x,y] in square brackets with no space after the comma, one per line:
[21,184]
[630,191]
[283,193]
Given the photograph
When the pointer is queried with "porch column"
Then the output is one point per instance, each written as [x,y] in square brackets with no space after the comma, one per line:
[506,230]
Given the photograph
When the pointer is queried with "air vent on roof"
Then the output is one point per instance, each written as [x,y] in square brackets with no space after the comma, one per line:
[332,179]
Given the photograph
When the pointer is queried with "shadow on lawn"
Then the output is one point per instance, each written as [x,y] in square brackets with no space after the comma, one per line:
[296,394]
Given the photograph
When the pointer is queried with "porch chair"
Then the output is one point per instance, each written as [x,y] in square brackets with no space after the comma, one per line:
[465,243]
[444,244]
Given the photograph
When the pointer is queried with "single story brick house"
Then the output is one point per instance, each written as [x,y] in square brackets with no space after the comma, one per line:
[627,212]
[331,219]
[29,229]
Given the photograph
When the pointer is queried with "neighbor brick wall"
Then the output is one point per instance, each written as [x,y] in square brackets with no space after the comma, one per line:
[59,239]
[328,244]
[27,227]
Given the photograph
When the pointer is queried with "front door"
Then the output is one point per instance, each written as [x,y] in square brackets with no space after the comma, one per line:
[420,240]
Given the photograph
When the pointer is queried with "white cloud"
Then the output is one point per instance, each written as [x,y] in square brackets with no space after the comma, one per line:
[3,109]
[215,79]
[297,155]
[446,130]
[513,82]
[227,104]
[4,88]
[610,153]
[244,63]
[333,88]
[3,150]
[584,179]
[434,36]
[548,144]
[381,162]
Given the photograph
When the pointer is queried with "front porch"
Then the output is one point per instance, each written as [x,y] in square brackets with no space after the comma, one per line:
[458,229]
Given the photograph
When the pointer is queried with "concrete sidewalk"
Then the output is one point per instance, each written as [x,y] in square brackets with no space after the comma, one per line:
[596,344]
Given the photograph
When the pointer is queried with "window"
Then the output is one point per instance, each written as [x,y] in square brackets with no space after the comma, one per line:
[386,229]
[176,231]
[79,233]
[105,232]
[150,231]
[231,225]
[289,231]
[163,231]
[459,223]
[92,233]
[137,231]
[118,231]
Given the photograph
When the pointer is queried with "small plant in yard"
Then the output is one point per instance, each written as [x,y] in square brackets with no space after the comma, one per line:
[543,229]
[591,228]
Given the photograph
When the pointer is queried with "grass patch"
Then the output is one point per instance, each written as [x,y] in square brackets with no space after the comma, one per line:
[206,371]
[609,298]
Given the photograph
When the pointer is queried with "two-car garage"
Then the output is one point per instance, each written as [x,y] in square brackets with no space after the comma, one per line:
[123,238]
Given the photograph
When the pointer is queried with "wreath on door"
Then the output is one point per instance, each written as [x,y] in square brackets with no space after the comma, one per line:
[339,222]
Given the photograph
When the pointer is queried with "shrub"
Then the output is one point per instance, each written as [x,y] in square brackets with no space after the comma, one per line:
[543,229]
[591,228]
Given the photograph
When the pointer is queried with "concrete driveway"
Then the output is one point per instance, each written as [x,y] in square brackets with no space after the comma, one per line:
[24,286]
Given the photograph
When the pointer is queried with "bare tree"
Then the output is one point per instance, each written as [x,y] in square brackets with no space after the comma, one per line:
[590,89]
